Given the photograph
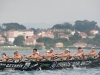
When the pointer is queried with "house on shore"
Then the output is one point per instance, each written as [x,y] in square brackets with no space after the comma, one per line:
[94,32]
[80,44]
[12,34]
[59,44]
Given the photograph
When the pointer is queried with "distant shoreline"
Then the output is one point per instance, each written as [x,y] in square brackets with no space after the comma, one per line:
[21,48]
[30,48]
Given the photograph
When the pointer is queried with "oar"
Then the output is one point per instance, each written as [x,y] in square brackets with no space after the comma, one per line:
[31,60]
[54,64]
[46,59]
[13,60]
[61,58]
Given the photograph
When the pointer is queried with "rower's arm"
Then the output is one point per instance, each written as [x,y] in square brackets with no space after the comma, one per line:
[59,53]
[0,59]
[93,53]
[40,55]
[75,53]
[89,53]
[45,55]
[23,56]
[53,55]
[65,55]
[7,57]
[28,56]
[33,57]
[97,56]
[15,57]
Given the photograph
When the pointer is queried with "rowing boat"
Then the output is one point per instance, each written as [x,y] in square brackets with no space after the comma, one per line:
[49,65]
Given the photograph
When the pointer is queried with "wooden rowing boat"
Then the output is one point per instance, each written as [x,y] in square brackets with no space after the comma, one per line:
[49,65]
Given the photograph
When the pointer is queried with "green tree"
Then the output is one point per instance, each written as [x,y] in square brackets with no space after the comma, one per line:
[85,25]
[55,34]
[9,26]
[19,41]
[57,26]
[76,36]
[35,30]
[48,42]
[1,27]
[96,40]
[39,47]
[65,25]
[5,38]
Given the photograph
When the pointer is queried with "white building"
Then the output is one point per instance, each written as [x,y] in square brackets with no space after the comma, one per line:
[11,34]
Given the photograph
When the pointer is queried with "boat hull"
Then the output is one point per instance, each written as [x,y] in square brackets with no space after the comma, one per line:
[49,65]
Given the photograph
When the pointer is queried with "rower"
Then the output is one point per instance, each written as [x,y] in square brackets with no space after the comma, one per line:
[70,56]
[83,54]
[64,55]
[79,54]
[33,56]
[53,56]
[48,55]
[98,56]
[40,56]
[92,53]
[61,53]
[4,57]
[17,57]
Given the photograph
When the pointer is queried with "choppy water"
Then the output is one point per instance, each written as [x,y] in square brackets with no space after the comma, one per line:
[75,71]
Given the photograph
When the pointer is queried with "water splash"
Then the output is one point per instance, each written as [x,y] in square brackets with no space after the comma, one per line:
[76,71]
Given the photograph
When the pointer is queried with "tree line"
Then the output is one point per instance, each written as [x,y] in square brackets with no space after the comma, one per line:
[79,25]
[83,26]
[10,26]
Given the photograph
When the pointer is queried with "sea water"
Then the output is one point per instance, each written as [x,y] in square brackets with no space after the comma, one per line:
[74,71]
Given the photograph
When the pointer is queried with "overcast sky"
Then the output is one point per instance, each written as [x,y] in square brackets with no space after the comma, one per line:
[46,13]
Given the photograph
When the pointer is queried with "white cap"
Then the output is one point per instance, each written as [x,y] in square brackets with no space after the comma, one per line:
[37,52]
[93,47]
[16,50]
[48,51]
[67,49]
[51,48]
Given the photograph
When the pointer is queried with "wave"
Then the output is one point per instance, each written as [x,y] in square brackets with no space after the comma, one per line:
[75,71]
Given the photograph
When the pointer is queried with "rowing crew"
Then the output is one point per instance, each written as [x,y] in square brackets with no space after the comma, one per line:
[49,55]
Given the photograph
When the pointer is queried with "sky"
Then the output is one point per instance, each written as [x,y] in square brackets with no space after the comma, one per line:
[46,13]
